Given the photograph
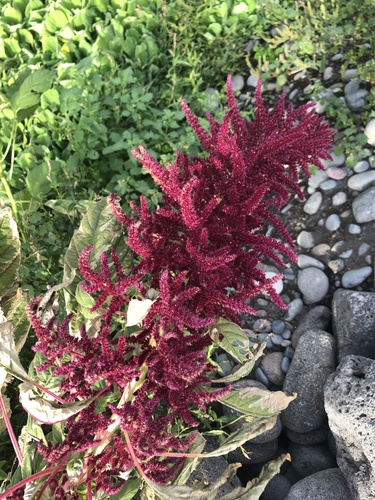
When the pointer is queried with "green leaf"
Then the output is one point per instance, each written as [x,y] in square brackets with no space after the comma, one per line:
[38,180]
[254,488]
[25,92]
[257,402]
[50,99]
[210,492]
[216,28]
[34,429]
[56,20]
[130,489]
[10,256]
[235,341]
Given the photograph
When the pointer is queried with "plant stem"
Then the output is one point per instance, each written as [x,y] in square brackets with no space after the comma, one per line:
[10,430]
[25,481]
[54,473]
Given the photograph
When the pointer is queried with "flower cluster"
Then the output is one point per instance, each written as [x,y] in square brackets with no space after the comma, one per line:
[205,239]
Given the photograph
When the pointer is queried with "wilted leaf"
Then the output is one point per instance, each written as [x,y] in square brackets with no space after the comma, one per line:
[9,359]
[186,492]
[248,431]
[257,402]
[137,311]
[48,412]
[254,489]
[10,257]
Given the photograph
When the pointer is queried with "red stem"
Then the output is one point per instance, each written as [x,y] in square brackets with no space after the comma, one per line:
[10,430]
[132,454]
[25,481]
[47,391]
[54,473]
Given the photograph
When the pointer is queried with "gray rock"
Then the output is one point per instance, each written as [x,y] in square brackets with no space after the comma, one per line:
[285,364]
[364,206]
[349,75]
[339,199]
[308,459]
[316,436]
[357,100]
[321,250]
[277,488]
[328,72]
[337,161]
[271,365]
[327,484]
[336,265]
[360,182]
[370,132]
[328,185]
[363,248]
[307,261]
[252,81]
[259,374]
[316,179]
[333,222]
[305,239]
[361,166]
[353,278]
[294,309]
[313,284]
[354,229]
[313,362]
[353,321]
[312,205]
[262,325]
[238,83]
[318,317]
[350,405]
[277,339]
[278,326]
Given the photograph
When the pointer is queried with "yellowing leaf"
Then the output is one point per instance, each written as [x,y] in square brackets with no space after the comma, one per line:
[209,492]
[257,402]
[137,311]
[254,488]
[45,411]
[249,430]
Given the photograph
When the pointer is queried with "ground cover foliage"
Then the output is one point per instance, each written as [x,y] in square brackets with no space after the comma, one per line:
[84,82]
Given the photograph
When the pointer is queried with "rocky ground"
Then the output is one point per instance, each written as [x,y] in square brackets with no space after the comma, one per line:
[323,345]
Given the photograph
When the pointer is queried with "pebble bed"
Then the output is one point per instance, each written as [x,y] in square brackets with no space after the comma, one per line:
[333,230]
